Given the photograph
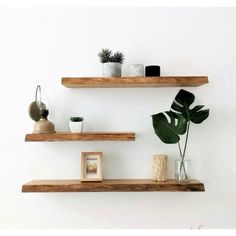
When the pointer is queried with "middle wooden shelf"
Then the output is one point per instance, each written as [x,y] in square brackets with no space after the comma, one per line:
[86,136]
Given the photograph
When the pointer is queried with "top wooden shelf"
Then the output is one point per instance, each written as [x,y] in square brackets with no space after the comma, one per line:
[122,82]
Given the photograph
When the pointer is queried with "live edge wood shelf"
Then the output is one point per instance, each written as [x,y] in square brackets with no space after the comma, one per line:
[112,82]
[98,136]
[112,185]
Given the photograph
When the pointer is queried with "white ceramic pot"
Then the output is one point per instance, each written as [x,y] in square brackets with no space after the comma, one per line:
[136,70]
[112,69]
[76,127]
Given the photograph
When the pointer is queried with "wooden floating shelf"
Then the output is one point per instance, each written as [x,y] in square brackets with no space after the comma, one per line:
[112,185]
[116,82]
[96,136]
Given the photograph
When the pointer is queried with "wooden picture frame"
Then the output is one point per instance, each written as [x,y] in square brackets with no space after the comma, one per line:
[91,166]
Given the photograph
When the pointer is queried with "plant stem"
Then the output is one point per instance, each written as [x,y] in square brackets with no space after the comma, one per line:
[186,140]
[181,165]
[180,150]
[183,154]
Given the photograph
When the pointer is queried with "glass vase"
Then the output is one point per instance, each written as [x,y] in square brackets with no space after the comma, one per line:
[182,170]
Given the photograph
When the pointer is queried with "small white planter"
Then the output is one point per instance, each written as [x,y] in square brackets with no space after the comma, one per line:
[76,127]
[112,69]
[136,70]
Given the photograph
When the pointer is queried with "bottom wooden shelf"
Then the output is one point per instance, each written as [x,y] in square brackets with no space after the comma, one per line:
[112,185]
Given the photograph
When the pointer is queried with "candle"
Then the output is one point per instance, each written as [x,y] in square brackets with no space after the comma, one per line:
[159,167]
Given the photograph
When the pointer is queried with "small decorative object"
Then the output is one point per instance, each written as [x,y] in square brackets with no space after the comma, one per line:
[76,124]
[44,125]
[91,166]
[159,167]
[136,70]
[111,62]
[185,174]
[152,71]
[36,106]
[180,117]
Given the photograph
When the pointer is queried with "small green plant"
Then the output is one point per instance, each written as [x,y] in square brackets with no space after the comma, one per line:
[76,119]
[106,55]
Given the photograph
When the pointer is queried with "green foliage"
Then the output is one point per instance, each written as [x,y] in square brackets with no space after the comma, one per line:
[169,132]
[106,55]
[181,104]
[76,119]
[180,117]
[181,113]
[44,113]
[118,57]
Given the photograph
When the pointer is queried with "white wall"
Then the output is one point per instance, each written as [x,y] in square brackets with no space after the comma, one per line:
[39,46]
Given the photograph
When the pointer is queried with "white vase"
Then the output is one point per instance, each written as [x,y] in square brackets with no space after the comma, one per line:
[112,69]
[136,70]
[76,127]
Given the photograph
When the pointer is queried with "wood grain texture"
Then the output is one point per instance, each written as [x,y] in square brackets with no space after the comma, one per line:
[159,167]
[111,82]
[112,185]
[92,136]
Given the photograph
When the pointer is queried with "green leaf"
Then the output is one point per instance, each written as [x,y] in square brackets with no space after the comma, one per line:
[181,104]
[196,108]
[200,116]
[167,131]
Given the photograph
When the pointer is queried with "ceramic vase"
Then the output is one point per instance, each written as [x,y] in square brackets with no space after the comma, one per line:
[136,70]
[112,69]
[76,127]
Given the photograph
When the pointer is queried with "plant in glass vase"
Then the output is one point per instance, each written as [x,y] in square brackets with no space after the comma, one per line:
[169,125]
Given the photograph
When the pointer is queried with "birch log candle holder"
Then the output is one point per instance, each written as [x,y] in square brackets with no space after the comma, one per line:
[159,168]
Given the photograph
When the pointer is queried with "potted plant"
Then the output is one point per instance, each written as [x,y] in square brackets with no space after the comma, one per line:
[180,116]
[111,62]
[76,124]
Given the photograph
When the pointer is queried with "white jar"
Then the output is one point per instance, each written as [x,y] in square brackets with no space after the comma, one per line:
[76,127]
[136,70]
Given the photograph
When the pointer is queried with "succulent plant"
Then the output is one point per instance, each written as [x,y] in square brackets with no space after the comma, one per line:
[118,57]
[44,113]
[76,119]
[106,55]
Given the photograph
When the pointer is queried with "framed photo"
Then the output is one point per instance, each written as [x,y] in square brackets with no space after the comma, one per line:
[91,166]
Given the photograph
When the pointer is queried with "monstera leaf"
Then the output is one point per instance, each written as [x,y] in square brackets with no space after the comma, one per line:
[181,104]
[167,131]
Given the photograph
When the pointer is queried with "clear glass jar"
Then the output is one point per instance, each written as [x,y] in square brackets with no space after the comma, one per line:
[182,170]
